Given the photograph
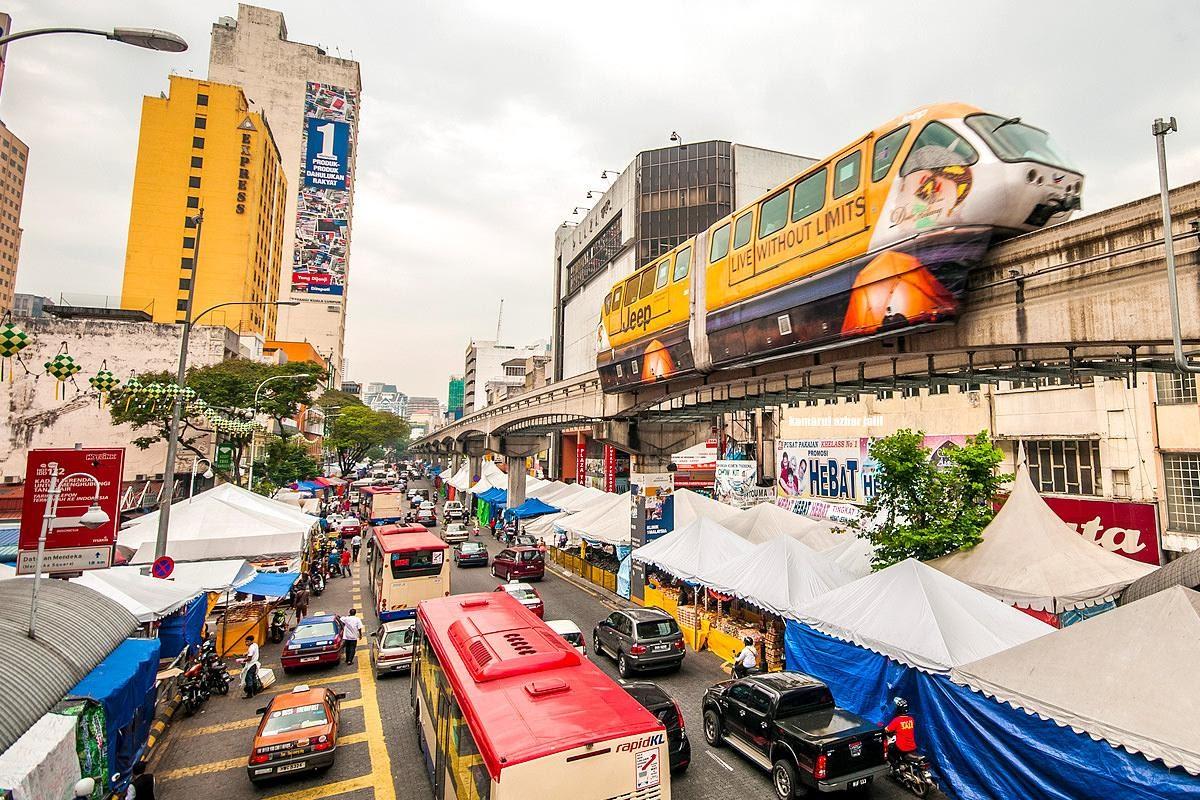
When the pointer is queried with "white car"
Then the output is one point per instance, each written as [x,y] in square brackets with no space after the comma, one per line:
[453,509]
[569,631]
[427,505]
[455,532]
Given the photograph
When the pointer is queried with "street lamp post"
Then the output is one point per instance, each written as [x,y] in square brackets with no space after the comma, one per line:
[94,517]
[164,506]
[208,473]
[261,384]
[149,38]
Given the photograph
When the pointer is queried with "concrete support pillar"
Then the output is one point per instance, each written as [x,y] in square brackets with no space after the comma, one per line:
[651,444]
[516,482]
[476,466]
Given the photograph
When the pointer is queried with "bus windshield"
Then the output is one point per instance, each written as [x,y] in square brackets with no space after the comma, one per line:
[416,563]
[1013,140]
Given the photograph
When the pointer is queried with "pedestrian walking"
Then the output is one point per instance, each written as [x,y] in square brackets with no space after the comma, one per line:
[345,561]
[251,685]
[356,543]
[300,600]
[352,631]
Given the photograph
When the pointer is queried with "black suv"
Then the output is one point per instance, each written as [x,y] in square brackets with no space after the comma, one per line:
[640,638]
[660,704]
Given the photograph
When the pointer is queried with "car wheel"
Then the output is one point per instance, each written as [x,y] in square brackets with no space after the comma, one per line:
[288,670]
[494,575]
[712,728]
[785,780]
[623,668]
[597,646]
[675,773]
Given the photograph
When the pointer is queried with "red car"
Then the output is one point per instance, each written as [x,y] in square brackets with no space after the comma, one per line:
[526,595]
[521,563]
[316,640]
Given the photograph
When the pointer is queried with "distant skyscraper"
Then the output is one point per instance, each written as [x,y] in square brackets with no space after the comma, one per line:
[454,404]
[311,99]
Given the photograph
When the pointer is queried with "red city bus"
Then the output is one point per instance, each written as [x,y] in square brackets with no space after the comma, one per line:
[405,566]
[508,710]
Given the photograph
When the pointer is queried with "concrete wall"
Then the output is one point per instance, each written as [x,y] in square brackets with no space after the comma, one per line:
[255,54]
[488,366]
[33,418]
[757,171]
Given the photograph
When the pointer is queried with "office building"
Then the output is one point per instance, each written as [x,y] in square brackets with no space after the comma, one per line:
[454,398]
[663,197]
[13,157]
[484,363]
[312,100]
[202,147]
[385,397]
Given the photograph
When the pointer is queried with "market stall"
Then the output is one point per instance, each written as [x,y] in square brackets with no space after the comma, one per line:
[173,610]
[530,509]
[767,521]
[1031,559]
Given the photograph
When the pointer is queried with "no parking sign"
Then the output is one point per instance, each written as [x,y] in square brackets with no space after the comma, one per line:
[162,567]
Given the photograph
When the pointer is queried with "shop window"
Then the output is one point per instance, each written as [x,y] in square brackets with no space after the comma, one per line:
[1065,466]
[1182,471]
[939,388]
[846,174]
[1175,390]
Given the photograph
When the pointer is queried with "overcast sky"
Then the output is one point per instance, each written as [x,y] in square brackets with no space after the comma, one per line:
[484,124]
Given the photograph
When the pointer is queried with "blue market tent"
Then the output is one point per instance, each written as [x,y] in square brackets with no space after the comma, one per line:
[270,584]
[124,686]
[494,496]
[531,508]
[309,486]
[182,629]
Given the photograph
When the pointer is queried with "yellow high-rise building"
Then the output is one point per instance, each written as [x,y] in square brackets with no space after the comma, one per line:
[203,148]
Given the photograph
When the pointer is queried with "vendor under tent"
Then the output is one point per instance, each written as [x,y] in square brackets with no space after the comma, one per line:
[695,551]
[778,576]
[767,521]
[223,522]
[1031,559]
[1090,710]
[460,480]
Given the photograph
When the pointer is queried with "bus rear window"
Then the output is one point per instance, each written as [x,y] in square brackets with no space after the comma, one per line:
[417,563]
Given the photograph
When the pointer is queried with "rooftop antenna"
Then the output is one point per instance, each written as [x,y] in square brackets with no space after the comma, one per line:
[499,318]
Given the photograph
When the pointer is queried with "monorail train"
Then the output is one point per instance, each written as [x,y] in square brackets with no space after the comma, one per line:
[874,241]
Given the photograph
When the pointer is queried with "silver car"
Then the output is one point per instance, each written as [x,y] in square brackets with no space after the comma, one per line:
[455,532]
[392,646]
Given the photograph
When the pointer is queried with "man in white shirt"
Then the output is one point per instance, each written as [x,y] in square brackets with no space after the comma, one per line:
[352,631]
[746,660]
[250,664]
[356,543]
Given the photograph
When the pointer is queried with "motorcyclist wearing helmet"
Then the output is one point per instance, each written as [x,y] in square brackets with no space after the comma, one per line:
[746,661]
[903,729]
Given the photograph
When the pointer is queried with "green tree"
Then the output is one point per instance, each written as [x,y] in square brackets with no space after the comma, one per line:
[282,462]
[355,429]
[225,386]
[924,511]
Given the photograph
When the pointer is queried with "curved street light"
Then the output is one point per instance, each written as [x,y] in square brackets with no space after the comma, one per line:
[147,38]
[254,409]
[208,474]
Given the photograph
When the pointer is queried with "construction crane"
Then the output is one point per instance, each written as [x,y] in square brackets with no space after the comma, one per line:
[499,319]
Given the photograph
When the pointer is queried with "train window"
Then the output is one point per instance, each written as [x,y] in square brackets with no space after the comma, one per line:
[810,195]
[631,290]
[683,260]
[647,284]
[664,271]
[772,215]
[886,150]
[616,299]
[741,229]
[607,302]
[938,146]
[845,174]
[720,244]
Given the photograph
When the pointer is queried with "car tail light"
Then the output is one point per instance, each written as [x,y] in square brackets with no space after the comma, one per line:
[679,644]
[637,649]
[821,767]
[323,745]
[679,713]
[259,758]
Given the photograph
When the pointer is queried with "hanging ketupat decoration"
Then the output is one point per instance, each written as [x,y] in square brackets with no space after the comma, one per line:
[12,341]
[133,388]
[62,368]
[103,382]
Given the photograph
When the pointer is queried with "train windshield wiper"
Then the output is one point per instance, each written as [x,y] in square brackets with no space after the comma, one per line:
[1009,121]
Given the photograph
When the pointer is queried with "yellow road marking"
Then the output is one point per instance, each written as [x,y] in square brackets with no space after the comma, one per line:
[328,789]
[232,763]
[247,723]
[287,687]
[381,762]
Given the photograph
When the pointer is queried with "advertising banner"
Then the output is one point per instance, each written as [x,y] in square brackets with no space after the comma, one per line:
[695,467]
[70,547]
[610,468]
[1128,529]
[581,461]
[652,514]
[324,204]
[736,483]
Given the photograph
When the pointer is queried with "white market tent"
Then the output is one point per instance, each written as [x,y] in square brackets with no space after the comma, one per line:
[42,763]
[543,527]
[210,576]
[779,575]
[694,552]
[149,599]
[461,479]
[1118,676]
[612,525]
[601,512]
[559,492]
[767,521]
[583,499]
[490,477]
[1032,559]
[223,522]
[922,618]
[546,489]
[852,554]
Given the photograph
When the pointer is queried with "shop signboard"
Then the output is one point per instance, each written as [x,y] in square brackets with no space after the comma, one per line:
[1127,529]
[70,546]
[610,468]
[581,460]
[652,514]
[736,481]
[695,467]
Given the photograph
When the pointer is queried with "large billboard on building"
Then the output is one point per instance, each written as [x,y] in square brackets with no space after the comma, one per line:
[737,483]
[326,181]
[1127,529]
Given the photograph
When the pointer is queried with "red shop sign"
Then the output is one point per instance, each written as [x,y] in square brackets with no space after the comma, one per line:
[581,459]
[610,468]
[1128,529]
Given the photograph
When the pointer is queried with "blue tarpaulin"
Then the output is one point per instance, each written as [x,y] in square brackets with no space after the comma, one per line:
[531,508]
[124,686]
[270,584]
[982,749]
[182,628]
[494,496]
[309,486]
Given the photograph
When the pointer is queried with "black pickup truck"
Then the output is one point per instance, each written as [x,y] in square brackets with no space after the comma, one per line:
[788,724]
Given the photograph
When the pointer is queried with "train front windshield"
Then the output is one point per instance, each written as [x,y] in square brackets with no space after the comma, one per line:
[1016,141]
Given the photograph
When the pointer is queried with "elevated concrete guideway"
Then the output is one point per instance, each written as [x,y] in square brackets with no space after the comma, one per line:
[1088,297]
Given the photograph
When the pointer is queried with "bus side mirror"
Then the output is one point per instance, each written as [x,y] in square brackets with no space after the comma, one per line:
[340,695]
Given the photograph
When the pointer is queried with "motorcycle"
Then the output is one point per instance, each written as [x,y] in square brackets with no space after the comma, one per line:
[316,582]
[215,676]
[192,689]
[278,629]
[912,771]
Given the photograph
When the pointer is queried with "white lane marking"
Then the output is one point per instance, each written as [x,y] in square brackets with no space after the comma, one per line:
[718,759]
